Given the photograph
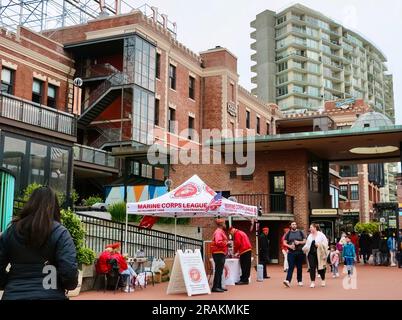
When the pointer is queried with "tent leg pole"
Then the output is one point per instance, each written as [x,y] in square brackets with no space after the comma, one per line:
[125,236]
[175,234]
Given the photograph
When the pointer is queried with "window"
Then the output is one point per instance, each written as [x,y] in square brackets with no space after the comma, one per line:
[282,91]
[14,152]
[171,120]
[38,156]
[172,77]
[247,119]
[267,128]
[258,125]
[348,171]
[158,66]
[51,96]
[37,91]
[7,81]
[298,89]
[313,91]
[191,87]
[190,128]
[282,78]
[156,119]
[232,92]
[281,19]
[143,115]
[282,66]
[354,192]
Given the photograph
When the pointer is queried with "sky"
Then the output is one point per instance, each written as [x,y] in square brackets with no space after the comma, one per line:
[202,25]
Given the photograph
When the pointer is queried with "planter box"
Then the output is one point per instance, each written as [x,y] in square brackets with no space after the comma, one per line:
[88,271]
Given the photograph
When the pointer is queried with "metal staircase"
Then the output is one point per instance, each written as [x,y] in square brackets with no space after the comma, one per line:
[102,97]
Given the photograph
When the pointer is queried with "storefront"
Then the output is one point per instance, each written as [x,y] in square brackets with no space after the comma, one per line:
[36,161]
[328,220]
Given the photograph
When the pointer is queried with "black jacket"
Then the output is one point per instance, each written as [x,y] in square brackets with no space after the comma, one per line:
[263,248]
[27,275]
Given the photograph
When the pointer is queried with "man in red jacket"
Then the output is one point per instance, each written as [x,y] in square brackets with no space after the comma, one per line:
[121,261]
[219,250]
[242,246]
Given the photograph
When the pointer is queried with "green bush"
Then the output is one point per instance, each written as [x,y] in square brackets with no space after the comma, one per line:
[118,211]
[92,200]
[60,196]
[181,221]
[74,225]
[370,227]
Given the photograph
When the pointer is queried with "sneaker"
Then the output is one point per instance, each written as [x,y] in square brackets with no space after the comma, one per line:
[286,283]
[300,284]
[318,276]
[333,276]
[312,285]
[337,274]
[127,289]
[322,283]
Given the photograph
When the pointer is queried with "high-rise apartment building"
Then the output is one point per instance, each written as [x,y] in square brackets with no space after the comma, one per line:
[303,58]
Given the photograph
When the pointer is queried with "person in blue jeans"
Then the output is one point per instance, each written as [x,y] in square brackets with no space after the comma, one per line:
[294,240]
[349,256]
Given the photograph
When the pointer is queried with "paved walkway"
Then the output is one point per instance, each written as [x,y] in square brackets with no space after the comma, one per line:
[384,283]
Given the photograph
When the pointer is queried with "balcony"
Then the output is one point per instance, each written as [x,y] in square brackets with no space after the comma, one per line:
[37,115]
[94,156]
[270,203]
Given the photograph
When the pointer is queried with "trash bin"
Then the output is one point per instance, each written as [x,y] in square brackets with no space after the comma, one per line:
[7,182]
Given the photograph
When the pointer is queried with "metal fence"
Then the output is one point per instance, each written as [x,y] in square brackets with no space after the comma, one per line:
[100,232]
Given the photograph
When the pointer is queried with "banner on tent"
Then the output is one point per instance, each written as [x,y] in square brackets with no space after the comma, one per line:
[188,274]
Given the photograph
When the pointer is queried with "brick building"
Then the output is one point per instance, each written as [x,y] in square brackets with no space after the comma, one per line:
[141,86]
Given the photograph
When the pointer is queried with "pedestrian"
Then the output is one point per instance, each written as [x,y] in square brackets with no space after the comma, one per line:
[392,247]
[219,250]
[375,248]
[263,251]
[349,256]
[38,247]
[355,240]
[285,250]
[384,250]
[294,241]
[334,259]
[316,250]
[365,246]
[242,248]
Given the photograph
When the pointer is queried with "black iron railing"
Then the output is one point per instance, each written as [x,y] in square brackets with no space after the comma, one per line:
[100,232]
[36,114]
[269,203]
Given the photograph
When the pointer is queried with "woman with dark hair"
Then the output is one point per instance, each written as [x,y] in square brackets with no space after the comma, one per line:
[40,251]
[316,249]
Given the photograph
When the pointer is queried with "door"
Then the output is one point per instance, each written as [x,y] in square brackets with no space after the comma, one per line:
[277,192]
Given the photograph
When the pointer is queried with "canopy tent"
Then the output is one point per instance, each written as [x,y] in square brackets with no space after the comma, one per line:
[192,199]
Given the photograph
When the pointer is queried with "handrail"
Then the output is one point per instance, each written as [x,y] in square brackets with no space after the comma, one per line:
[32,113]
[93,155]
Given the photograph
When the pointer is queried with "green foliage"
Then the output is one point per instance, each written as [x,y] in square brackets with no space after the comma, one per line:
[118,211]
[74,225]
[370,227]
[86,255]
[60,196]
[92,200]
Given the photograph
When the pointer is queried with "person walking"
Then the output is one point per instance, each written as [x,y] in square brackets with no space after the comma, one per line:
[384,250]
[285,250]
[242,247]
[349,256]
[334,259]
[40,250]
[365,246]
[392,247]
[219,250]
[355,240]
[294,241]
[375,248]
[316,250]
[263,252]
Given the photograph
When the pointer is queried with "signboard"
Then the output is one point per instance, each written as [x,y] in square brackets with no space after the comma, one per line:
[344,104]
[324,212]
[188,274]
[232,109]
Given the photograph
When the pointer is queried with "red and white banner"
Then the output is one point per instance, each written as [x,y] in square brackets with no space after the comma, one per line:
[190,199]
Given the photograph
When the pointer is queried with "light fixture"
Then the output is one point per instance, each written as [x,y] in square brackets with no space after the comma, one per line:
[374,150]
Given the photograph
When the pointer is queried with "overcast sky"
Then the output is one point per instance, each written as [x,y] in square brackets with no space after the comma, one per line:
[205,24]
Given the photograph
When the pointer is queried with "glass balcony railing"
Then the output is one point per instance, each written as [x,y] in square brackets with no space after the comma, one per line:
[94,156]
[36,114]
